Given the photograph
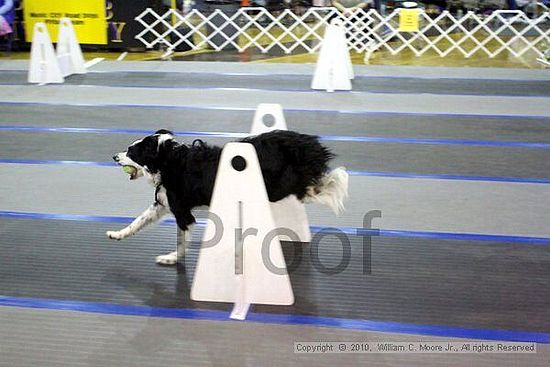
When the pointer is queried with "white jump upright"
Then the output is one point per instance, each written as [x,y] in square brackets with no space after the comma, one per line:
[289,213]
[262,124]
[239,267]
[43,68]
[333,70]
[69,53]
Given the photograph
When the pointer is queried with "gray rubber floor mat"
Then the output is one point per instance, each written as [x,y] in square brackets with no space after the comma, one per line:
[421,281]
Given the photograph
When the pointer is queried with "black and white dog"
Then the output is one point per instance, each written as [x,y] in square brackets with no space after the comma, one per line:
[184,175]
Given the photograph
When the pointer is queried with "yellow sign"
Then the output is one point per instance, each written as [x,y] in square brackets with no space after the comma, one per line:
[408,20]
[87,16]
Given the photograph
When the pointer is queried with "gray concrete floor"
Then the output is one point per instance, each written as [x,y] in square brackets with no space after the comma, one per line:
[43,337]
[49,337]
[407,204]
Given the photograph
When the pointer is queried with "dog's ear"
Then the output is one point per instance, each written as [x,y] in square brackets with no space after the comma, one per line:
[164,131]
[164,136]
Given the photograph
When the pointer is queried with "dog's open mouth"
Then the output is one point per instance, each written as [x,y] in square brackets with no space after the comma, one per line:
[131,170]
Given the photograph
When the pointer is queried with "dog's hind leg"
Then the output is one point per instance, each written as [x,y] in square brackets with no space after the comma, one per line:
[185,221]
[184,239]
[151,215]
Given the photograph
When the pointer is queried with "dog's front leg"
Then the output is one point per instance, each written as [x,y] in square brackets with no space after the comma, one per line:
[150,215]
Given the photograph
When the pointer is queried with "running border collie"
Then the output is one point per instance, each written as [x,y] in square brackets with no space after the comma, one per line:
[183,175]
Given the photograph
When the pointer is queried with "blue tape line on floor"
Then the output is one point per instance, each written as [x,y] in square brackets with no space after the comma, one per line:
[280,319]
[532,180]
[52,162]
[314,229]
[305,110]
[235,135]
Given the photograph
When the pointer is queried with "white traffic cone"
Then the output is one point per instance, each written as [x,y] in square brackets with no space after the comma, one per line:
[69,53]
[333,70]
[43,68]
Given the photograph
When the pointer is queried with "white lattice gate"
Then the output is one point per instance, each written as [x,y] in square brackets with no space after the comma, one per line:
[501,31]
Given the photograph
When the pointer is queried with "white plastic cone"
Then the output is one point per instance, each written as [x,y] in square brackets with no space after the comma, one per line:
[263,123]
[288,213]
[224,273]
[333,70]
[43,68]
[69,53]
[343,51]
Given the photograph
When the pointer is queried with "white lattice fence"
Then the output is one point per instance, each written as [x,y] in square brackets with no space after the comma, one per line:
[502,31]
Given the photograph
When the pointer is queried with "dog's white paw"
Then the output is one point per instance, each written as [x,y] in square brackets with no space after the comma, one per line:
[115,235]
[168,259]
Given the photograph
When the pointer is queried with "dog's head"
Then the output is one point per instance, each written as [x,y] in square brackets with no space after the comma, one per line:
[144,154]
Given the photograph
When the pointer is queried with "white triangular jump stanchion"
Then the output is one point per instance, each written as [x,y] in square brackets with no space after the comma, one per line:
[43,68]
[343,44]
[333,70]
[69,53]
[263,124]
[234,268]
[288,213]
